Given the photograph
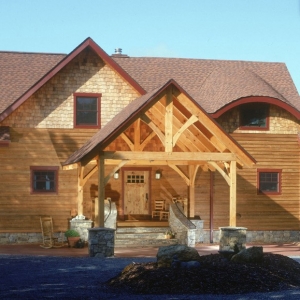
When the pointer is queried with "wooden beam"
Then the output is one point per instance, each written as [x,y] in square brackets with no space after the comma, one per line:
[169,121]
[232,200]
[216,131]
[180,173]
[189,122]
[89,175]
[111,174]
[190,140]
[147,140]
[137,134]
[221,171]
[70,167]
[80,190]
[101,193]
[170,156]
[158,132]
[192,175]
[157,162]
[127,140]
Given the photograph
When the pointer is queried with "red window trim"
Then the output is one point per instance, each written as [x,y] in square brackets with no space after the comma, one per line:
[4,143]
[42,168]
[256,128]
[279,171]
[95,95]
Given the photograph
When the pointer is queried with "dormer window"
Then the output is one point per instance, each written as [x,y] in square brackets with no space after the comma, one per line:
[87,110]
[254,116]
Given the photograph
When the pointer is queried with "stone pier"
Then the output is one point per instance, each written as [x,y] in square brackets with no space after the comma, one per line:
[232,238]
[101,242]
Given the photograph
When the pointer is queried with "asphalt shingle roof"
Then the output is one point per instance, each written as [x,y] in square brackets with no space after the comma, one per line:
[214,83]
[19,71]
[211,83]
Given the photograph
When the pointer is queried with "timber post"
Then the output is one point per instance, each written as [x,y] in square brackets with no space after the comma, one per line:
[101,188]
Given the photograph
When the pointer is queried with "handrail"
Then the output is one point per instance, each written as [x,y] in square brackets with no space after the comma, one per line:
[181,216]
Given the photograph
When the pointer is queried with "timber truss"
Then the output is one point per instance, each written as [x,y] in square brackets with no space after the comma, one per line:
[185,132]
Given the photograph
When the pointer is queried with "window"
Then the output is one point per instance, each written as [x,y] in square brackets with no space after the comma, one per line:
[44,179]
[135,179]
[87,110]
[269,181]
[254,116]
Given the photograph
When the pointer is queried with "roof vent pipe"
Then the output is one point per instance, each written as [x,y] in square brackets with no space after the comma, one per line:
[118,51]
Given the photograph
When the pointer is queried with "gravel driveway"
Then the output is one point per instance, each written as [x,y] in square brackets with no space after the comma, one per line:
[44,277]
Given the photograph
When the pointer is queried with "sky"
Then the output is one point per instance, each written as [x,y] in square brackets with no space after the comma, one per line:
[252,30]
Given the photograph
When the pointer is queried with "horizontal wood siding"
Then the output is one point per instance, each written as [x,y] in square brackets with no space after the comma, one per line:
[266,212]
[202,197]
[20,210]
[255,212]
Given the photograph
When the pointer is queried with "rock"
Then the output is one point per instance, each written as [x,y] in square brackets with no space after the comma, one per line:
[177,264]
[128,268]
[184,253]
[250,255]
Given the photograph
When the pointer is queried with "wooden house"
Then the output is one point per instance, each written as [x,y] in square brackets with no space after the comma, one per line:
[223,135]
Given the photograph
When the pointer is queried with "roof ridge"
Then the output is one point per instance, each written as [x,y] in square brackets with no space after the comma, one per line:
[203,59]
[30,52]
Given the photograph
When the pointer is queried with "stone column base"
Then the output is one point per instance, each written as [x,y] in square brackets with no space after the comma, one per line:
[101,242]
[232,238]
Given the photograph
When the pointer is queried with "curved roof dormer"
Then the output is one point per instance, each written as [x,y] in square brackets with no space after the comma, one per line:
[258,99]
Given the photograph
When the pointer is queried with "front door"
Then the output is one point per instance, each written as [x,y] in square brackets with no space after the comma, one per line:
[136,193]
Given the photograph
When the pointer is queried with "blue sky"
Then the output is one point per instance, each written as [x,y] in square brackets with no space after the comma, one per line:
[256,30]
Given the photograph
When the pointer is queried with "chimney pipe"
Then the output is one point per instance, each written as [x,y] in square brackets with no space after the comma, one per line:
[118,51]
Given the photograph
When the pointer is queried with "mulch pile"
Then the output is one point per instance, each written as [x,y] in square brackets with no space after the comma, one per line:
[216,275]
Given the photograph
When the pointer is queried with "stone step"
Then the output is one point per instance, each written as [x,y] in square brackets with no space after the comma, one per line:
[143,237]
[120,242]
[162,229]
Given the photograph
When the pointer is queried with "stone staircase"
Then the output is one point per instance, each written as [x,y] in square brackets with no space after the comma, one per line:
[142,237]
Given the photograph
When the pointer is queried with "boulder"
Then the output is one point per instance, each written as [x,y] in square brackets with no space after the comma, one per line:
[177,264]
[250,255]
[183,253]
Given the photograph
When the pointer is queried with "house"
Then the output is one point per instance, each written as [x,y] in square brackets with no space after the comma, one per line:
[221,135]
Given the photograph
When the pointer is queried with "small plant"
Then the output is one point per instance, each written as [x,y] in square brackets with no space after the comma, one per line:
[170,233]
[72,233]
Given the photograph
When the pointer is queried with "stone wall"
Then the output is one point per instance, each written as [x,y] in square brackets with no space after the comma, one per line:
[264,237]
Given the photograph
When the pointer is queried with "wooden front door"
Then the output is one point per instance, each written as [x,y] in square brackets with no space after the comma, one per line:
[136,192]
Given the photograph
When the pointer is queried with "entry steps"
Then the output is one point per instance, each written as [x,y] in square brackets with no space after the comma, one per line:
[142,237]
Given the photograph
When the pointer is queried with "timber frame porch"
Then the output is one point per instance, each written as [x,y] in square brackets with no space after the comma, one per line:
[188,135]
